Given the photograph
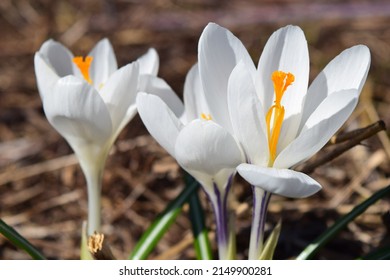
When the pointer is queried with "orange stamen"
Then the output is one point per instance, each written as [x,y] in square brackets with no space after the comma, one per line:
[206,117]
[275,114]
[84,64]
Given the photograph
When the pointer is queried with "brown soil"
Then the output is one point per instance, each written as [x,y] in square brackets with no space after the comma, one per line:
[42,189]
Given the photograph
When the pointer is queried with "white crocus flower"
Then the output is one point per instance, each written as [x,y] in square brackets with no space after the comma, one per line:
[204,148]
[89,101]
[280,122]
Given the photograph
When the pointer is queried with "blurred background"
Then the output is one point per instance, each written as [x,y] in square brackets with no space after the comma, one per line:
[42,189]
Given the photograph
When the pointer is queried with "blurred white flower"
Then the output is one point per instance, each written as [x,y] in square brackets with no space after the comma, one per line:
[89,101]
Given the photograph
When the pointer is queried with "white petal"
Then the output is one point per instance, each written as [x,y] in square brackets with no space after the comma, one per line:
[286,50]
[348,70]
[247,116]
[46,76]
[319,128]
[149,63]
[284,182]
[194,98]
[78,112]
[103,63]
[219,51]
[58,56]
[206,147]
[160,88]
[221,180]
[119,93]
[159,120]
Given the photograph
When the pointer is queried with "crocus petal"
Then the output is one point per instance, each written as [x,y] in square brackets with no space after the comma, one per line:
[59,57]
[103,63]
[149,63]
[286,50]
[78,112]
[159,87]
[247,115]
[46,76]
[219,51]
[319,128]
[348,70]
[220,180]
[194,98]
[206,147]
[284,182]
[119,93]
[159,120]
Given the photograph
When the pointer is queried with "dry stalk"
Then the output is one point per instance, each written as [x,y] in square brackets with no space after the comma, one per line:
[98,248]
[351,139]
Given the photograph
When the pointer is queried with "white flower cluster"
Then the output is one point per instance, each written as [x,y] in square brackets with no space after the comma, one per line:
[259,121]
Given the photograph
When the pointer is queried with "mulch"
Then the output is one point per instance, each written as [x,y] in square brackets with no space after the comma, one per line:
[42,188]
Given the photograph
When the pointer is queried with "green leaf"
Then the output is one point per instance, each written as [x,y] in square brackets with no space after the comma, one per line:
[324,238]
[270,244]
[202,242]
[161,224]
[19,241]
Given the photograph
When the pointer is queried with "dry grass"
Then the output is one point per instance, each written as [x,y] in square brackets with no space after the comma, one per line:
[42,189]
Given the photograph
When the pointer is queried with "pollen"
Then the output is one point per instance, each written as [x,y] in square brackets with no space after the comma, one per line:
[206,117]
[275,114]
[84,64]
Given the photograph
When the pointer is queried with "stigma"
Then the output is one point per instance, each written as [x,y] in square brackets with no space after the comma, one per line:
[275,114]
[206,117]
[84,64]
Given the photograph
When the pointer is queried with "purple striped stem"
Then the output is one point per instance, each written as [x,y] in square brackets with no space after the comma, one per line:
[261,199]
[219,199]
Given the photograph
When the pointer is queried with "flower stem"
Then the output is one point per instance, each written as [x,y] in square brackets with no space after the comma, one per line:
[225,232]
[260,205]
[93,177]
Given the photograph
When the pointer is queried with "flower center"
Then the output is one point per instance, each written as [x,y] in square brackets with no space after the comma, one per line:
[206,117]
[275,114]
[84,64]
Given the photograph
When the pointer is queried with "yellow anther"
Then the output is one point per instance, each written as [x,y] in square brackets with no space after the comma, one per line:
[206,117]
[275,114]
[84,64]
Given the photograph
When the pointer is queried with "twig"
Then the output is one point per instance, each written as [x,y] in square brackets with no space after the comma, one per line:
[373,116]
[64,161]
[355,133]
[98,248]
[354,139]
[37,169]
[357,182]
